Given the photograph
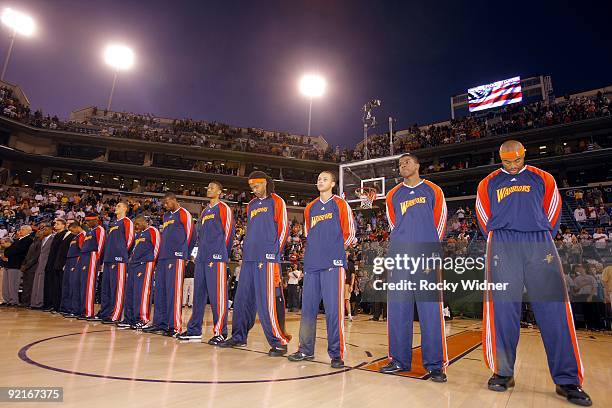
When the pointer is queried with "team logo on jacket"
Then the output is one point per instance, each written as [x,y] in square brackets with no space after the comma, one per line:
[270,256]
[409,203]
[338,262]
[165,224]
[139,240]
[217,256]
[112,229]
[258,210]
[179,254]
[318,218]
[506,191]
[207,217]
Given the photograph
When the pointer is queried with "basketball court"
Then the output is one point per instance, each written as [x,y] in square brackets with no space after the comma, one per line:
[106,366]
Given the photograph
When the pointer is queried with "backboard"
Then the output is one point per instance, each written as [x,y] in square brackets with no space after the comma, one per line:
[381,173]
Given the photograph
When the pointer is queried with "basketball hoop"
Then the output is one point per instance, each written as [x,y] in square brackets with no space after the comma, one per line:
[367,195]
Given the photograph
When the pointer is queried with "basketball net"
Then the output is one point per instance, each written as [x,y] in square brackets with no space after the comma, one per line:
[367,195]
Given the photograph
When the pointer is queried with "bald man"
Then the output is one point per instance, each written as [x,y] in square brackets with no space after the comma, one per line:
[519,211]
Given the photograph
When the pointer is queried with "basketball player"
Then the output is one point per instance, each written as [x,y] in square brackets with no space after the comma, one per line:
[329,228]
[518,210]
[87,266]
[176,246]
[71,289]
[119,240]
[260,289]
[416,210]
[215,238]
[140,275]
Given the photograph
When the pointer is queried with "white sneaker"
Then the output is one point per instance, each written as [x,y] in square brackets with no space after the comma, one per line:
[190,337]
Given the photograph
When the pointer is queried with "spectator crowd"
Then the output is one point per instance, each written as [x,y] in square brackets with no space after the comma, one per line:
[215,135]
[28,216]
[511,118]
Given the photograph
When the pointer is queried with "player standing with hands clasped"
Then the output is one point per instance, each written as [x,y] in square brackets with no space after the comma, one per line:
[260,290]
[519,211]
[416,210]
[329,227]
[215,231]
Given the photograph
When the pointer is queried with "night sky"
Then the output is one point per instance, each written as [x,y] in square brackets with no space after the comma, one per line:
[238,62]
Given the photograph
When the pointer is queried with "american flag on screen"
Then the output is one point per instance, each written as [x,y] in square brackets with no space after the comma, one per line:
[498,93]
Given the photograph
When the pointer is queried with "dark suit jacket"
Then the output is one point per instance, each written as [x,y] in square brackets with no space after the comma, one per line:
[31,259]
[16,252]
[58,252]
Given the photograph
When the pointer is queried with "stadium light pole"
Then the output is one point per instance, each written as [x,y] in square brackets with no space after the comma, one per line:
[19,23]
[369,121]
[120,58]
[312,86]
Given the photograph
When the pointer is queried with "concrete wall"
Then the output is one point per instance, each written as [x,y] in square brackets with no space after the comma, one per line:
[32,144]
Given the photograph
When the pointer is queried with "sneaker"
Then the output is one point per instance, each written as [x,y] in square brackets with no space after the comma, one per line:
[83,317]
[153,329]
[138,326]
[107,321]
[216,340]
[337,363]
[574,394]
[95,319]
[437,375]
[189,337]
[500,383]
[232,343]
[170,333]
[299,356]
[277,351]
[391,368]
[124,324]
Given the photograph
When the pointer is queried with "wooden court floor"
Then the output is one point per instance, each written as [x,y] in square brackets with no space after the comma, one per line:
[100,366]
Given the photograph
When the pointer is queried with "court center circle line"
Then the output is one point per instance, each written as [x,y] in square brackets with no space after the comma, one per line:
[23,355]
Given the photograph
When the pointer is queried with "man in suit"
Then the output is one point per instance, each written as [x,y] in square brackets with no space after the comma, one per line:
[12,260]
[28,268]
[38,287]
[54,269]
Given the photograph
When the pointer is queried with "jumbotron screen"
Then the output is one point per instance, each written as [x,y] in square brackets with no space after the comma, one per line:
[496,94]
